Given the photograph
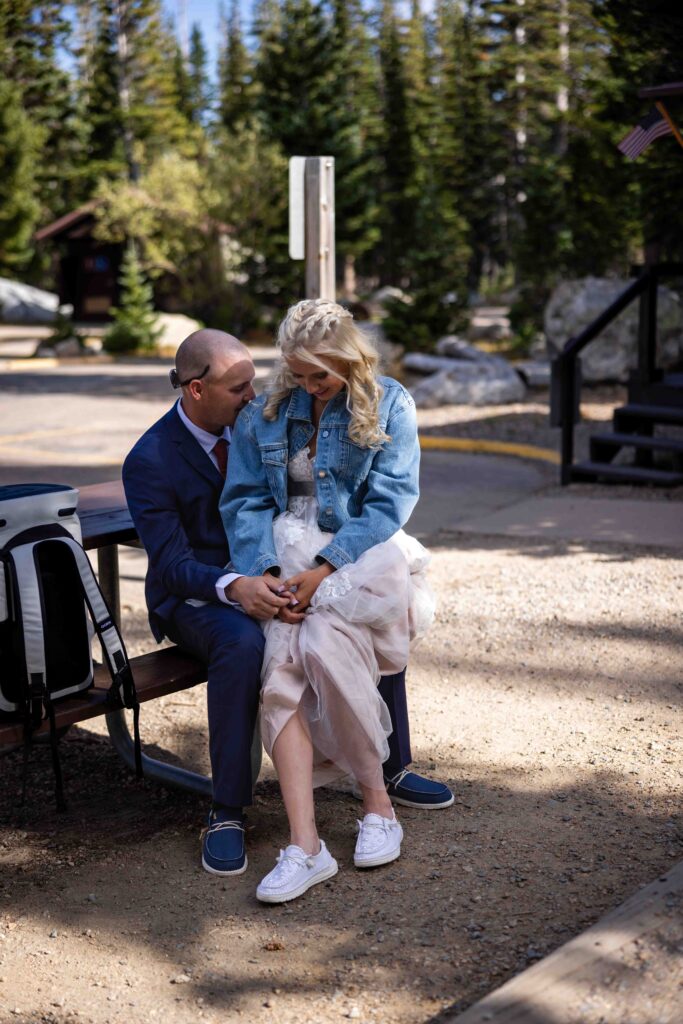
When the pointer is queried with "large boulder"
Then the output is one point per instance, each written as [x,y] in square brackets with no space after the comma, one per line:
[463,375]
[24,304]
[377,303]
[575,304]
[175,327]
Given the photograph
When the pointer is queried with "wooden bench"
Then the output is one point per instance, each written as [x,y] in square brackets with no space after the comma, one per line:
[155,675]
[106,523]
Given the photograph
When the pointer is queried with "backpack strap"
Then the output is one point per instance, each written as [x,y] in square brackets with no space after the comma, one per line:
[27,581]
[122,691]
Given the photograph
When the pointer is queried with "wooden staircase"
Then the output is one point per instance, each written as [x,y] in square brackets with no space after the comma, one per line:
[645,445]
[654,458]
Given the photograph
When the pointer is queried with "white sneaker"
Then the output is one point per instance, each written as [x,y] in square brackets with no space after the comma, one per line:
[294,873]
[379,841]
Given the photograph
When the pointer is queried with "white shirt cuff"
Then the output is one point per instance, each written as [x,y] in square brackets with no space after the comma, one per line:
[225,581]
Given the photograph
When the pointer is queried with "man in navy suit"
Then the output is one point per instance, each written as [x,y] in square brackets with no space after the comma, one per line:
[173,478]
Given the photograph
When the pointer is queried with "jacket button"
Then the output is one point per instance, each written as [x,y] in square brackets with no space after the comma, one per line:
[328,511]
[326,433]
[322,474]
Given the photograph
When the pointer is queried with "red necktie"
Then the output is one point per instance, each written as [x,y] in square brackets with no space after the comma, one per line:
[220,450]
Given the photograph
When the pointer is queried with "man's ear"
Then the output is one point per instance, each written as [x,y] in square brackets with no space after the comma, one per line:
[196,389]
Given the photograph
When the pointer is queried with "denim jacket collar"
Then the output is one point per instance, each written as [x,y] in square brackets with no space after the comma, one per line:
[301,408]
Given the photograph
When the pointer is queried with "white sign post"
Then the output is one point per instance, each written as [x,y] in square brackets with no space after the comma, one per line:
[311,222]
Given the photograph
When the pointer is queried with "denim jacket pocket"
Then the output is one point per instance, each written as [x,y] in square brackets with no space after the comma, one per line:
[274,459]
[354,458]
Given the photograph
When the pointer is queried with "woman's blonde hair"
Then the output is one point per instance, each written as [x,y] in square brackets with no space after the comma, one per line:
[317,328]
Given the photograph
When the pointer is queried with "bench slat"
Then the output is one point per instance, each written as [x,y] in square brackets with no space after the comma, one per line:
[156,674]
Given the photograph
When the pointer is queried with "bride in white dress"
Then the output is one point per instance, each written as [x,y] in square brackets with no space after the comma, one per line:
[359,592]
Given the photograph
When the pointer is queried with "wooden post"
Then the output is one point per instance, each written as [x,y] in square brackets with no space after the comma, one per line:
[647,330]
[319,221]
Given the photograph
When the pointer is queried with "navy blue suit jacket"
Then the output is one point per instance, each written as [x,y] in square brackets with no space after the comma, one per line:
[173,489]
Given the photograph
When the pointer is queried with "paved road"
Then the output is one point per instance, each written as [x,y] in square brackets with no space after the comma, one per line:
[74,424]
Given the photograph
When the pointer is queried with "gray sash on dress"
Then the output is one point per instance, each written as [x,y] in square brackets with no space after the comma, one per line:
[300,488]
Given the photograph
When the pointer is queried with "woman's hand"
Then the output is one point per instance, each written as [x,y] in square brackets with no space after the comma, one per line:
[305,584]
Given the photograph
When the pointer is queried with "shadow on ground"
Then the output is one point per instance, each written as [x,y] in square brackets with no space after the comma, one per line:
[122,865]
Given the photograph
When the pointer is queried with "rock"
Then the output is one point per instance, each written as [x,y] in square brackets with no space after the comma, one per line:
[389,353]
[421,362]
[68,348]
[575,304]
[24,304]
[175,328]
[489,322]
[377,302]
[463,375]
[180,979]
[469,384]
[457,348]
[534,373]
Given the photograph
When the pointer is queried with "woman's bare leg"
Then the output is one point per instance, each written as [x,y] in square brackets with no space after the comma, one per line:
[376,801]
[293,760]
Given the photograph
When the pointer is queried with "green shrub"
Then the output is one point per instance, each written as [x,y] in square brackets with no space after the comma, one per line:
[134,328]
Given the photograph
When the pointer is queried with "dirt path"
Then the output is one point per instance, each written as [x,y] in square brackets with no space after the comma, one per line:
[549,694]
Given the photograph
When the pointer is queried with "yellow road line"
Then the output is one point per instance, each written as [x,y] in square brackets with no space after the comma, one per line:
[427,442]
[466,444]
[74,459]
[32,435]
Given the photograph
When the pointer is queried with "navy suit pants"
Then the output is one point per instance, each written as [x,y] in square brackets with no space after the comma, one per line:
[231,644]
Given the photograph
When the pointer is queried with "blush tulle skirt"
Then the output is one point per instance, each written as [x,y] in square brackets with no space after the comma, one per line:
[362,622]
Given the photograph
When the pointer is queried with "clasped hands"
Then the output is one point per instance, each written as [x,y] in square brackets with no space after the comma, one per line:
[267,597]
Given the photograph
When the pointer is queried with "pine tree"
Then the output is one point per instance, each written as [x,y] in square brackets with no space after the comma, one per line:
[467,151]
[296,75]
[135,322]
[235,81]
[199,86]
[103,113]
[31,34]
[645,46]
[19,207]
[355,140]
[399,154]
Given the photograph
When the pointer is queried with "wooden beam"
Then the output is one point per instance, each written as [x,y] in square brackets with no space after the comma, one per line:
[552,991]
[657,92]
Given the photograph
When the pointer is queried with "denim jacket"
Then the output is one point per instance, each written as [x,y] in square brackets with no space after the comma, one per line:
[364,494]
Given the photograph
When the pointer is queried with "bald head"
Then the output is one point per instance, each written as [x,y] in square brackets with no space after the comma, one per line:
[217,374]
[206,348]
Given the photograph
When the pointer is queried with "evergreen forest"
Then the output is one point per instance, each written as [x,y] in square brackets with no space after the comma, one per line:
[474,144]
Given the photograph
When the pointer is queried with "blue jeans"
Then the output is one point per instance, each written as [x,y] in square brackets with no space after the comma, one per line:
[231,645]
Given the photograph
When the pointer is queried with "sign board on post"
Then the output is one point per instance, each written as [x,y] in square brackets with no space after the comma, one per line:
[297,238]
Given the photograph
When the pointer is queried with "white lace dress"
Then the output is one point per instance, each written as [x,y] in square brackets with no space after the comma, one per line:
[361,623]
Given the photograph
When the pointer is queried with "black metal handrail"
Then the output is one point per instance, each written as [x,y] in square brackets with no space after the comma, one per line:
[565,411]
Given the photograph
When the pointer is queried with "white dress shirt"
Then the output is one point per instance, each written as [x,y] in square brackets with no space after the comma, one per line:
[208,441]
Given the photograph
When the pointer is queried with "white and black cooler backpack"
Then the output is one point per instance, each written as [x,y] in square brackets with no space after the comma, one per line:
[48,597]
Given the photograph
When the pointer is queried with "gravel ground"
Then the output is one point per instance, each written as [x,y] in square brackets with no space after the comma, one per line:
[549,694]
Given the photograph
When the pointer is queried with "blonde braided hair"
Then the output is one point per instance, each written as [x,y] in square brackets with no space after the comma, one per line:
[317,328]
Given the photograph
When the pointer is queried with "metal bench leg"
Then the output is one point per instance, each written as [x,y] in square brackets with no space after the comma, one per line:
[169,774]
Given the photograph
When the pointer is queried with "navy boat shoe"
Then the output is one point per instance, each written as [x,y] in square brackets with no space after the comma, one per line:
[223,851]
[413,790]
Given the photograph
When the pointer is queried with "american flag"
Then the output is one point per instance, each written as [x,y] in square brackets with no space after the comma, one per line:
[652,127]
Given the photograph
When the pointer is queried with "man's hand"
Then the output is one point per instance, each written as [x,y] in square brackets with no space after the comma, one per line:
[305,584]
[262,597]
